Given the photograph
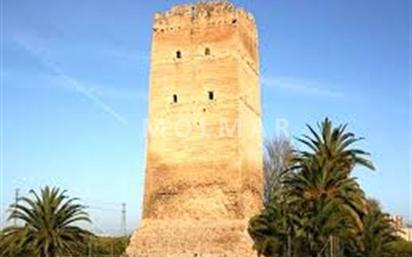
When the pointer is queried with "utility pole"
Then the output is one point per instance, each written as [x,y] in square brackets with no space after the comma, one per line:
[16,200]
[123,223]
[90,249]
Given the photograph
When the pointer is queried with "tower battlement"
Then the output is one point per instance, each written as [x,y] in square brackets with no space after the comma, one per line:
[202,14]
[217,24]
[203,11]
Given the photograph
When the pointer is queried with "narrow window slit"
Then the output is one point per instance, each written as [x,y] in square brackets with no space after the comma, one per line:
[175,98]
[178,54]
[211,95]
[207,51]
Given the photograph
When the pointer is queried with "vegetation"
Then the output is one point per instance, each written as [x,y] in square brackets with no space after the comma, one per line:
[48,228]
[105,246]
[313,207]
[277,154]
[319,209]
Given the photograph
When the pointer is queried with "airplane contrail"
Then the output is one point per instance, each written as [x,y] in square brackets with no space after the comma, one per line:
[73,82]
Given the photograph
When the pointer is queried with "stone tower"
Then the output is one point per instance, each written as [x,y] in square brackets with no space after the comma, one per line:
[204,156]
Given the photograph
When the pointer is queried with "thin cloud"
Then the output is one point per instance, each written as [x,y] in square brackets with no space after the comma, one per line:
[128,55]
[109,92]
[301,86]
[70,80]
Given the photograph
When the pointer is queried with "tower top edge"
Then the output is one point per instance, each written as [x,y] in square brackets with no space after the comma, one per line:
[202,10]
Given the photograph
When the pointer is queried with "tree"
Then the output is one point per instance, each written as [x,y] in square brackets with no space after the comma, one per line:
[277,155]
[402,248]
[332,146]
[269,241]
[48,225]
[319,204]
[378,237]
[322,185]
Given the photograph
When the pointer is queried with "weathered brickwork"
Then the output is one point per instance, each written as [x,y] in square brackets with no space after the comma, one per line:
[204,157]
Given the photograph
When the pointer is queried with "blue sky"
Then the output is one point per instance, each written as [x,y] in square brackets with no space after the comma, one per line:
[75,82]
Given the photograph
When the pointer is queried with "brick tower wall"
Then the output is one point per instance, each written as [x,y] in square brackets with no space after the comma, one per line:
[204,157]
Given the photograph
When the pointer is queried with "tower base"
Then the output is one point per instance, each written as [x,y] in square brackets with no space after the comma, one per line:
[191,238]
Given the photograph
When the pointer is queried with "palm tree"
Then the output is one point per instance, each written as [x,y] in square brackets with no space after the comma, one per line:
[268,232]
[322,186]
[332,146]
[379,236]
[48,225]
[320,203]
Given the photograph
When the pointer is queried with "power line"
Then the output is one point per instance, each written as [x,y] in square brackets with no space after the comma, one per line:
[93,207]
[99,202]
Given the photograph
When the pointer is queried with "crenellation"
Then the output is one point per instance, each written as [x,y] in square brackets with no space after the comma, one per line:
[201,14]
